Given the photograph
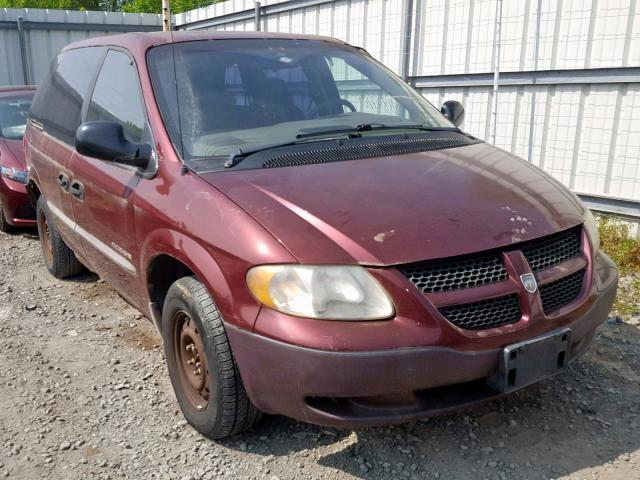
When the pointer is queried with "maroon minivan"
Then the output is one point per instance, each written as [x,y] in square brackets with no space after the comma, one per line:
[15,208]
[311,237]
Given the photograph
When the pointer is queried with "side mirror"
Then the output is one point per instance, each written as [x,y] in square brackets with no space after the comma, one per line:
[106,141]
[453,111]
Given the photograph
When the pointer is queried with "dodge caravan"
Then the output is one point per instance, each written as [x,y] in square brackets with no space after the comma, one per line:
[311,237]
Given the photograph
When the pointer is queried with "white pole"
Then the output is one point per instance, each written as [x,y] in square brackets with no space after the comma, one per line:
[166,16]
[533,93]
[496,69]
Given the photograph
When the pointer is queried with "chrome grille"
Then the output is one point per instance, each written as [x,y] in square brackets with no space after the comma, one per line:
[561,292]
[491,313]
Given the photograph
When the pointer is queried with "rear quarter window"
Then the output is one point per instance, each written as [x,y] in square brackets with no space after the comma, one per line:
[58,103]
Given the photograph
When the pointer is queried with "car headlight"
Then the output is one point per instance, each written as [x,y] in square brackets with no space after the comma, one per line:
[323,292]
[20,176]
[591,226]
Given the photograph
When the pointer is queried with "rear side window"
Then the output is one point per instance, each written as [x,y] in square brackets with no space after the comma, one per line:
[116,96]
[58,103]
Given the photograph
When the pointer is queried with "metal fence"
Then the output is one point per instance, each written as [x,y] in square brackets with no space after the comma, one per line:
[568,91]
[30,38]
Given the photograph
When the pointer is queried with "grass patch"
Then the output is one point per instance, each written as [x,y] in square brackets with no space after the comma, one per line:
[617,242]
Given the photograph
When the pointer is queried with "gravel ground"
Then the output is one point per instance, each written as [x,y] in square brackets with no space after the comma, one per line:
[84,393]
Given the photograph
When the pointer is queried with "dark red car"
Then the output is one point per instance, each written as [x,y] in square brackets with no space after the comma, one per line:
[15,208]
[311,237]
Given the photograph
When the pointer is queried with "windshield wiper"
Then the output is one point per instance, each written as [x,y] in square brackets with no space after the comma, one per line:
[353,132]
[367,127]
[241,153]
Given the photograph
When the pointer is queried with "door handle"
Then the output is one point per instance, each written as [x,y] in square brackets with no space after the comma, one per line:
[77,190]
[63,181]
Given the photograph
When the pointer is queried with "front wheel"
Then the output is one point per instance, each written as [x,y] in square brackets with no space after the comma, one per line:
[203,371]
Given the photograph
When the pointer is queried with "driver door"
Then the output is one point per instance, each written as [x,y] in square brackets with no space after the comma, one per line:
[103,191]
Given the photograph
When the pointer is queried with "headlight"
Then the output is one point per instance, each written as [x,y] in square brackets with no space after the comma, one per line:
[323,292]
[14,174]
[591,226]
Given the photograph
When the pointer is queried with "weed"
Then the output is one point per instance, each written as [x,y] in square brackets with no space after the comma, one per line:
[616,241]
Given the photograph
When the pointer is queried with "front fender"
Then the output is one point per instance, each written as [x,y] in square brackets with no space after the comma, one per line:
[228,290]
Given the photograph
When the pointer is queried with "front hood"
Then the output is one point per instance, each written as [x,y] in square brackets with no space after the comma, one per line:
[402,209]
[15,157]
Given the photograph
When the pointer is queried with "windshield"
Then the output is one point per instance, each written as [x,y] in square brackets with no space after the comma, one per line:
[14,112]
[225,95]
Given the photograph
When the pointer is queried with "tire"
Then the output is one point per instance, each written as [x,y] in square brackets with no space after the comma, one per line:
[4,224]
[214,402]
[58,258]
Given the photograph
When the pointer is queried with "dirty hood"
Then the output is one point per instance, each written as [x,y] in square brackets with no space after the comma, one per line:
[400,209]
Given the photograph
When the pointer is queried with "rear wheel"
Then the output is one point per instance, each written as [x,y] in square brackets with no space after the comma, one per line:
[58,258]
[203,371]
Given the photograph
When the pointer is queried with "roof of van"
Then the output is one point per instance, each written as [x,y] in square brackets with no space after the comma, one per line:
[143,41]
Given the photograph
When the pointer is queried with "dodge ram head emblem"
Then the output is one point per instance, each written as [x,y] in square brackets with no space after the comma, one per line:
[529,282]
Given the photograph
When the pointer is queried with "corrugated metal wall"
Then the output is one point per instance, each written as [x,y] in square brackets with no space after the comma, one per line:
[46,32]
[586,127]
[584,133]
[581,91]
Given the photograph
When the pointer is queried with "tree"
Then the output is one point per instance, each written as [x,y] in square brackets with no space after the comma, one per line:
[55,4]
[130,6]
[155,6]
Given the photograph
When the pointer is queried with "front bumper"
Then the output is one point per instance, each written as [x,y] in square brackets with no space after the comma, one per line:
[17,208]
[366,388]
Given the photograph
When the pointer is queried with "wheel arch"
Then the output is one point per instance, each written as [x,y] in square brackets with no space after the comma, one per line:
[168,255]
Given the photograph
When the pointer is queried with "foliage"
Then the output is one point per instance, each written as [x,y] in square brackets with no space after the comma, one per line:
[155,6]
[616,241]
[130,6]
[54,4]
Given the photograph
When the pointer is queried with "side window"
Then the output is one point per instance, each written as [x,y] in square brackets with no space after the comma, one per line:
[58,103]
[116,96]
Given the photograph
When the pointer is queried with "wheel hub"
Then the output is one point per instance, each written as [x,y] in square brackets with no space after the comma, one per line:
[47,244]
[192,361]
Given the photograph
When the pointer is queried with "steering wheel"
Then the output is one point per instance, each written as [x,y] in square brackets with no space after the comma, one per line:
[323,106]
